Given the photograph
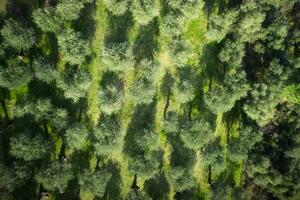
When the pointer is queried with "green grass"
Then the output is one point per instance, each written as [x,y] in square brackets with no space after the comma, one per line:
[96,67]
[2,5]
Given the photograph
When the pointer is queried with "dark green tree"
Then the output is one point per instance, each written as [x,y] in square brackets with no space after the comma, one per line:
[15,74]
[196,134]
[143,89]
[44,70]
[117,7]
[28,148]
[223,99]
[17,36]
[181,178]
[118,57]
[73,48]
[13,177]
[75,83]
[55,176]
[77,136]
[107,135]
[94,182]
[144,11]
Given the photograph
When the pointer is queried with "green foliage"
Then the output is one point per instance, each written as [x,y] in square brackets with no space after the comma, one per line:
[213,155]
[189,9]
[181,52]
[235,87]
[144,165]
[137,195]
[111,97]
[73,48]
[221,24]
[171,124]
[144,11]
[16,74]
[94,182]
[239,147]
[69,9]
[29,148]
[232,53]
[181,178]
[250,26]
[292,93]
[42,111]
[12,178]
[47,20]
[44,70]
[143,90]
[75,83]
[117,7]
[118,57]
[77,136]
[196,134]
[184,90]
[107,135]
[276,34]
[55,176]
[17,36]
[261,106]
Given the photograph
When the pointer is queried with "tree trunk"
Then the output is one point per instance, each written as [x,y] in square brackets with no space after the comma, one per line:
[134,185]
[190,111]
[166,106]
[209,174]
[62,153]
[5,112]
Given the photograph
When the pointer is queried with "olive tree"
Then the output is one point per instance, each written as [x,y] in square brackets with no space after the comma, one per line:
[143,89]
[118,57]
[144,11]
[261,104]
[117,7]
[13,177]
[16,74]
[222,99]
[17,36]
[28,148]
[145,165]
[94,182]
[44,70]
[111,96]
[240,146]
[77,136]
[196,134]
[47,20]
[55,176]
[232,53]
[107,134]
[181,178]
[73,48]
[75,83]
[42,111]
[184,90]
[221,24]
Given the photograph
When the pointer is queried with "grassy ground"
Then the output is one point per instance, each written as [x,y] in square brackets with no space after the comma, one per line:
[2,5]
[96,67]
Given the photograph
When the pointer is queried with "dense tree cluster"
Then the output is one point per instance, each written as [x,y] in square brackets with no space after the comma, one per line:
[150,99]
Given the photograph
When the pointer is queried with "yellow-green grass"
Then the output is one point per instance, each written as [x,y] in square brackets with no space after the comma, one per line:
[96,67]
[2,5]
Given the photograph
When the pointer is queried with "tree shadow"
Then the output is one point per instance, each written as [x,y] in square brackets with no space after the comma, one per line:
[181,156]
[118,28]
[146,42]
[157,187]
[113,187]
[143,118]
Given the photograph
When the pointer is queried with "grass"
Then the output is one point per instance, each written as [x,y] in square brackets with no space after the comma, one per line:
[96,67]
[2,5]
